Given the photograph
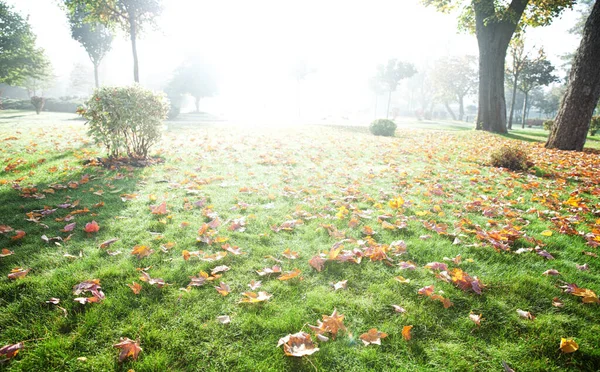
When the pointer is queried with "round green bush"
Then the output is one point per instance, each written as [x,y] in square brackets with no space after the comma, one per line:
[126,120]
[511,157]
[383,127]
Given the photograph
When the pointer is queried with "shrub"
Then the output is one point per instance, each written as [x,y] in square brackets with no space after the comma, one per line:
[38,103]
[511,157]
[548,124]
[594,125]
[383,127]
[125,119]
[173,112]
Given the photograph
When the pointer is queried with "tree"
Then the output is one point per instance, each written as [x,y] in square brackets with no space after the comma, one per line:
[129,15]
[39,80]
[455,78]
[377,89]
[549,102]
[494,23]
[570,128]
[80,80]
[390,75]
[95,38]
[195,78]
[535,73]
[19,56]
[516,57]
[300,71]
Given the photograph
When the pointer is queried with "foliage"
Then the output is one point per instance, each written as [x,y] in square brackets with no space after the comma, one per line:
[512,156]
[38,103]
[125,119]
[194,77]
[389,75]
[594,125]
[536,72]
[548,124]
[50,104]
[455,78]
[383,127]
[95,38]
[19,57]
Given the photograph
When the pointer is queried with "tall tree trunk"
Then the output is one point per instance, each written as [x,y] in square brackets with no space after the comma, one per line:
[96,80]
[449,109]
[493,37]
[461,108]
[572,123]
[387,113]
[524,116]
[512,101]
[133,36]
[197,104]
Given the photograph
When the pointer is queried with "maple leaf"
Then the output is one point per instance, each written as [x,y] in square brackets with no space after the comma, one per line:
[108,243]
[17,273]
[69,227]
[214,257]
[426,291]
[268,271]
[476,318]
[406,265]
[331,323]
[251,297]
[238,225]
[219,269]
[92,286]
[437,266]
[525,314]
[254,284]
[129,348]
[298,345]
[340,285]
[152,281]
[160,209]
[289,254]
[289,274]
[568,345]
[373,336]
[317,263]
[233,250]
[20,234]
[9,351]
[406,332]
[5,229]
[141,251]
[6,252]
[91,227]
[223,289]
[396,203]
[135,287]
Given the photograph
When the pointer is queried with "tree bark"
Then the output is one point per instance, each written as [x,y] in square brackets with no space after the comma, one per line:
[133,36]
[572,123]
[449,109]
[387,113]
[512,101]
[524,116]
[493,36]
[461,108]
[96,80]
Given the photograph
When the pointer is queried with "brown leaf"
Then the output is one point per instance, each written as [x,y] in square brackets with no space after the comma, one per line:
[289,274]
[135,287]
[141,251]
[298,345]
[91,227]
[108,242]
[17,273]
[251,297]
[10,351]
[223,289]
[317,263]
[406,332]
[129,348]
[159,209]
[373,336]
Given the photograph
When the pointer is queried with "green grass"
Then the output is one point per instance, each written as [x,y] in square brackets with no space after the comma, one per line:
[436,167]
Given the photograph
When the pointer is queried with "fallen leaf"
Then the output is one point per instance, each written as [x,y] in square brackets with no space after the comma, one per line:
[129,348]
[406,332]
[6,252]
[289,274]
[91,227]
[373,336]
[224,319]
[223,289]
[475,318]
[298,345]
[135,287]
[254,284]
[317,263]
[141,251]
[251,297]
[159,209]
[10,351]
[557,302]
[546,233]
[568,345]
[107,243]
[551,272]
[340,285]
[17,273]
[525,314]
[399,309]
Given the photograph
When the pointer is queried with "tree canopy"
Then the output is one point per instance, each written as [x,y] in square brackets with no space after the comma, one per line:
[455,78]
[390,75]
[19,56]
[194,77]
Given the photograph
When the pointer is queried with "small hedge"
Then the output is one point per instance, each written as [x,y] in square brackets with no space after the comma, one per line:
[510,157]
[383,127]
[594,125]
[50,105]
[548,124]
[126,120]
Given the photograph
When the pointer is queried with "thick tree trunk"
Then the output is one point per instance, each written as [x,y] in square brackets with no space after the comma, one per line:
[572,123]
[133,36]
[512,101]
[493,37]
[461,108]
[387,113]
[96,80]
[524,116]
[449,109]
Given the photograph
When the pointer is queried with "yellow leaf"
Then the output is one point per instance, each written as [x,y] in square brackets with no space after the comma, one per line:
[568,345]
[547,233]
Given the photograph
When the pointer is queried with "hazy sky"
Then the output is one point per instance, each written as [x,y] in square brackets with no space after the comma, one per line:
[253,46]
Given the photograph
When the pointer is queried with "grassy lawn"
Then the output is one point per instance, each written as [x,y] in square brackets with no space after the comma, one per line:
[336,184]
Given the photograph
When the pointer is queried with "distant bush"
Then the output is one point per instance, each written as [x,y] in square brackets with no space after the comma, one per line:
[510,157]
[16,104]
[38,103]
[174,112]
[383,127]
[534,122]
[548,124]
[125,119]
[594,125]
[51,105]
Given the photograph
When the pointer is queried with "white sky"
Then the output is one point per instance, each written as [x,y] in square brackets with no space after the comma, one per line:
[254,44]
